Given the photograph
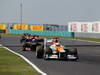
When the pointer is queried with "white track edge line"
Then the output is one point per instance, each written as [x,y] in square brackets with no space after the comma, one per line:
[29,62]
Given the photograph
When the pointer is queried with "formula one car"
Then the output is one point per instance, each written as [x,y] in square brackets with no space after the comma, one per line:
[28,43]
[68,54]
[46,52]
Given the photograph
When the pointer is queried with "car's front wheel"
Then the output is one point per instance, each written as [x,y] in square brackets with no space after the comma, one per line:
[39,52]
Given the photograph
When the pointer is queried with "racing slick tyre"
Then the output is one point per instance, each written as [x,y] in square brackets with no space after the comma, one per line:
[33,47]
[39,52]
[24,47]
[75,53]
[46,56]
[47,53]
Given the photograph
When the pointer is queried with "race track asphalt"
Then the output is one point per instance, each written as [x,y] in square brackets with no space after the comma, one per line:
[88,64]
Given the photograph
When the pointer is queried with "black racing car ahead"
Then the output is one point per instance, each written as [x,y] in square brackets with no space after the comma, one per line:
[28,43]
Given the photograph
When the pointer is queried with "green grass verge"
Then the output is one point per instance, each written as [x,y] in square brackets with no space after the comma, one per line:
[11,64]
[8,34]
[80,38]
[88,39]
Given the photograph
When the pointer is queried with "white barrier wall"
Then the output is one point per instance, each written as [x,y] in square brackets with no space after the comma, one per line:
[91,27]
[86,27]
[74,27]
[96,27]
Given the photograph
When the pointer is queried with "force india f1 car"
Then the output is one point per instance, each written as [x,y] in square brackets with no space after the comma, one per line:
[61,52]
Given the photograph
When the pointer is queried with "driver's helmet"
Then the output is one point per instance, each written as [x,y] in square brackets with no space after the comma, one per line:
[57,44]
[56,40]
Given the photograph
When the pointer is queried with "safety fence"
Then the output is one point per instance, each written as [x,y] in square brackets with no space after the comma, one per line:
[44,33]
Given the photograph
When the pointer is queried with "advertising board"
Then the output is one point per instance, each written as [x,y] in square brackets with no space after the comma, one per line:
[36,27]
